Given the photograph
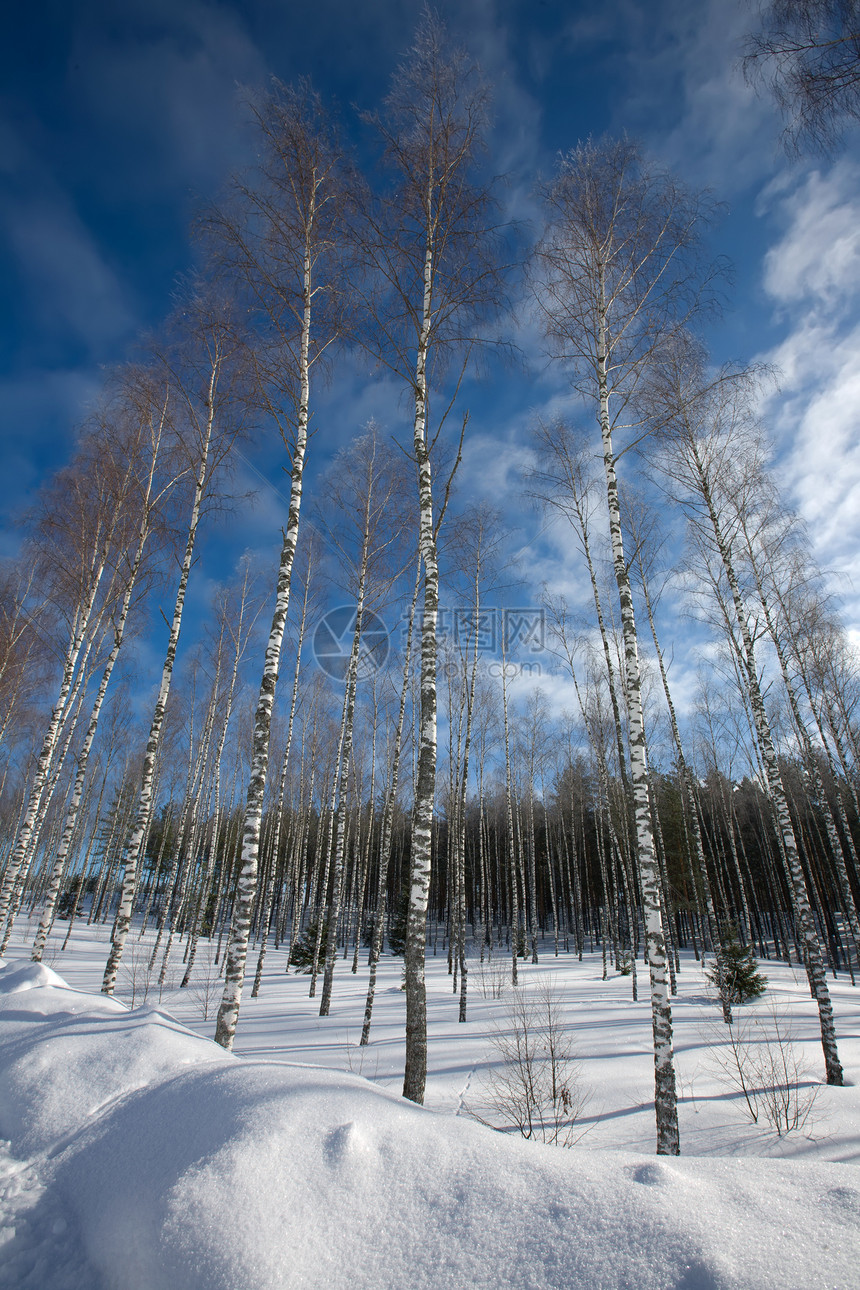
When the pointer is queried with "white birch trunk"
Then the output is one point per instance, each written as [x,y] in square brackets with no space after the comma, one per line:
[74,705]
[258,975]
[461,804]
[83,756]
[509,812]
[59,865]
[237,949]
[685,777]
[212,850]
[333,915]
[811,948]
[51,737]
[137,841]
[387,822]
[848,906]
[415,1073]
[665,1095]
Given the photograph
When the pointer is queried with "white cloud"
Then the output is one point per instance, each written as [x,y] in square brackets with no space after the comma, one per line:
[812,273]
[492,467]
[516,114]
[818,257]
[725,135]
[557,687]
[684,91]
[818,414]
[70,285]
[358,393]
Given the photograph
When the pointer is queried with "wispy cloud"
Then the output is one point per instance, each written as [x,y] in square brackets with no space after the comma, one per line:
[72,291]
[41,411]
[818,413]
[682,89]
[812,274]
[163,84]
[725,135]
[817,260]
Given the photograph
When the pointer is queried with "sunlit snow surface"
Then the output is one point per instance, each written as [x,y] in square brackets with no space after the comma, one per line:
[140,1156]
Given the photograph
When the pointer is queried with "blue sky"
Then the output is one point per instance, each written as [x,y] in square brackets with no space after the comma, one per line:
[117,120]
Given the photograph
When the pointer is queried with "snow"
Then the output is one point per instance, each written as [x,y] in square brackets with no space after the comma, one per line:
[138,1155]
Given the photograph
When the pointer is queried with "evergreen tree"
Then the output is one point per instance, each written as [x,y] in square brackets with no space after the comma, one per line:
[735,973]
[398,923]
[302,953]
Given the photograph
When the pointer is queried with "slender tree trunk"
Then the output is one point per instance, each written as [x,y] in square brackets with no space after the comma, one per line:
[212,850]
[812,952]
[346,741]
[237,950]
[665,1096]
[388,818]
[137,842]
[684,776]
[415,1073]
[31,815]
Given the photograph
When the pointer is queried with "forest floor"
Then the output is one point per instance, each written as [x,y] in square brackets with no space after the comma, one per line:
[137,1155]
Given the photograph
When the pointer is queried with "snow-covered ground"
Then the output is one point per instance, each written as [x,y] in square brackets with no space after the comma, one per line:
[139,1156]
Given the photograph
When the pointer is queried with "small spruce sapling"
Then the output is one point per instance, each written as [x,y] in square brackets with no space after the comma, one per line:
[302,953]
[69,898]
[397,924]
[735,973]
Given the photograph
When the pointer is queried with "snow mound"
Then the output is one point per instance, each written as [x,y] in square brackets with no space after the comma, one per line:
[80,1053]
[180,1166]
[14,978]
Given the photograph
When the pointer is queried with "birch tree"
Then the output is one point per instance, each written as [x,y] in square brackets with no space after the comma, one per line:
[388,810]
[618,271]
[807,54]
[713,454]
[644,531]
[24,650]
[563,480]
[204,431]
[772,547]
[84,519]
[237,611]
[285,237]
[365,486]
[430,243]
[145,430]
[479,536]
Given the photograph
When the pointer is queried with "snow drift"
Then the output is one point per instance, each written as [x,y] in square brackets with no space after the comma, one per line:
[145,1158]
